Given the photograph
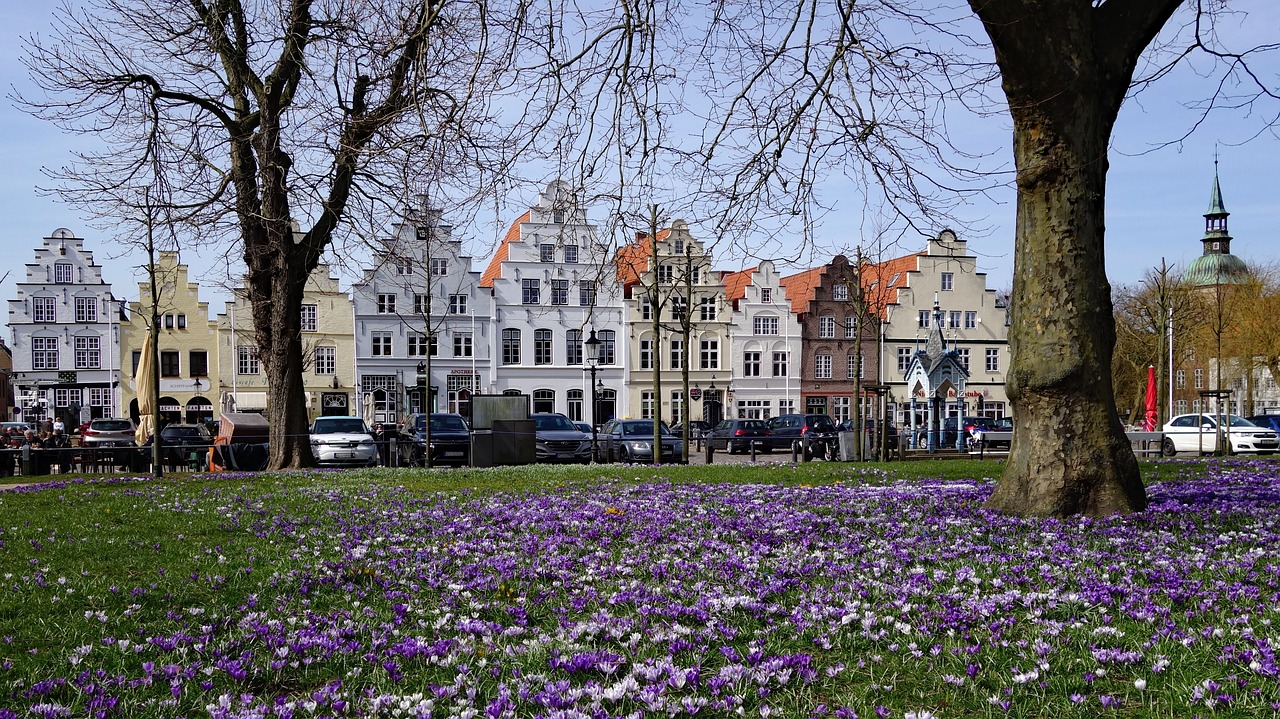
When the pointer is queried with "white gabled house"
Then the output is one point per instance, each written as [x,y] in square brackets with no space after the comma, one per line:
[764,344]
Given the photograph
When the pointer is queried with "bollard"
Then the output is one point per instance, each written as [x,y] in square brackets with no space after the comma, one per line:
[805,451]
[709,452]
[394,453]
[754,442]
[26,460]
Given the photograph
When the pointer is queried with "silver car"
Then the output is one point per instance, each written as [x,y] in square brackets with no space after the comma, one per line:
[343,442]
[109,432]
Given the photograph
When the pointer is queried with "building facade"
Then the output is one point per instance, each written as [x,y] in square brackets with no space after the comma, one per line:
[676,287]
[419,310]
[551,284]
[975,321]
[65,336]
[764,342]
[328,348]
[187,346]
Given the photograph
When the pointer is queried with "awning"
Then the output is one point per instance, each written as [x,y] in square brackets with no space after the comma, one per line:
[244,401]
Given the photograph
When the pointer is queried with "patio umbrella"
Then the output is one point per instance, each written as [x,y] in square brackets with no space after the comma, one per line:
[368,408]
[144,382]
[1152,416]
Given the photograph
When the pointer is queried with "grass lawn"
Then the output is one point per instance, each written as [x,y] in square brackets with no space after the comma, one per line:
[824,590]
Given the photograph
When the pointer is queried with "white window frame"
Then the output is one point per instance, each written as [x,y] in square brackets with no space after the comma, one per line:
[386,304]
[381,344]
[822,366]
[44,309]
[310,318]
[326,360]
[88,351]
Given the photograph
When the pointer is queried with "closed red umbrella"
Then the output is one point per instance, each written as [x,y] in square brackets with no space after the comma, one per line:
[1152,416]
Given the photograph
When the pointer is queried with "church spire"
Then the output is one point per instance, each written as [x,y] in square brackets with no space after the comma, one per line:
[1217,241]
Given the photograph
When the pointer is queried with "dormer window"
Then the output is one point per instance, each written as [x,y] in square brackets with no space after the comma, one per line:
[62,273]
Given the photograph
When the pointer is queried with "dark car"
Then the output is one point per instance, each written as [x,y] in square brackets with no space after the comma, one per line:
[450,439]
[558,440]
[737,435]
[185,444]
[788,431]
[970,424]
[1270,421]
[871,427]
[631,440]
[697,428]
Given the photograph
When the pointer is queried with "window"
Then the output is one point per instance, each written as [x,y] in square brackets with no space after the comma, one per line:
[573,399]
[168,321]
[948,281]
[403,266]
[381,344]
[962,354]
[529,291]
[766,295]
[309,317]
[586,293]
[993,359]
[62,273]
[955,319]
[608,346]
[573,347]
[386,304]
[246,362]
[646,354]
[433,344]
[765,325]
[1199,378]
[780,364]
[665,273]
[840,292]
[198,363]
[421,305]
[547,253]
[677,354]
[697,276]
[1182,406]
[750,364]
[44,353]
[710,355]
[646,309]
[137,357]
[544,400]
[326,360]
[922,319]
[822,366]
[571,254]
[904,358]
[707,308]
[462,344]
[417,344]
[1180,377]
[840,408]
[850,328]
[857,368]
[970,320]
[542,346]
[677,407]
[439,267]
[87,354]
[43,309]
[827,326]
[511,347]
[754,409]
[169,365]
[557,217]
[559,292]
[679,308]
[678,246]
[646,404]
[86,309]
[457,304]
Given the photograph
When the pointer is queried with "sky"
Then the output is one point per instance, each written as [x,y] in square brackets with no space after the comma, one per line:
[1156,196]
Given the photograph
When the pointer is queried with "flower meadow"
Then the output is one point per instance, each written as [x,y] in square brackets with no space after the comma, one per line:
[852,593]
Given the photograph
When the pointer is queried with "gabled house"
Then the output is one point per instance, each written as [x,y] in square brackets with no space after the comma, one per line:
[764,341]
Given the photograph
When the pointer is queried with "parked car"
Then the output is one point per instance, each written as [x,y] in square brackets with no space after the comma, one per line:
[109,432]
[557,440]
[583,427]
[631,440]
[970,424]
[343,441]
[1003,424]
[179,441]
[697,428]
[450,439]
[1199,433]
[871,424]
[737,435]
[787,432]
[1267,421]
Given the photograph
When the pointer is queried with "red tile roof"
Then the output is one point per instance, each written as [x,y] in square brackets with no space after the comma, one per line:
[801,287]
[887,277]
[632,261]
[735,284]
[494,270]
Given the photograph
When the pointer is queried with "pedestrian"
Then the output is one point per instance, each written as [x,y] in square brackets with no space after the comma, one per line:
[58,425]
[380,440]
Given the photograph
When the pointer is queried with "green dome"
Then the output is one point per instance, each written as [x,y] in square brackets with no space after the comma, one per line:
[1216,269]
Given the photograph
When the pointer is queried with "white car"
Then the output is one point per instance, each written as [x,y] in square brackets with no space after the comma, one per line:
[343,441]
[1199,433]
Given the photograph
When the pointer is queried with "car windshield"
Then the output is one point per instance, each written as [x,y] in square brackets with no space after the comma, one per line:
[440,424]
[643,428]
[752,424]
[822,422]
[340,425]
[180,432]
[553,422]
[1236,421]
[111,425]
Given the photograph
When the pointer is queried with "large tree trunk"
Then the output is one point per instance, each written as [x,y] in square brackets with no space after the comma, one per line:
[1065,68]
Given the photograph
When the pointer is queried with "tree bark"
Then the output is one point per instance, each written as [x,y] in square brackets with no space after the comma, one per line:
[1065,68]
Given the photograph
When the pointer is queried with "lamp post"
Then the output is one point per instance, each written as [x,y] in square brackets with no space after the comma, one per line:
[592,345]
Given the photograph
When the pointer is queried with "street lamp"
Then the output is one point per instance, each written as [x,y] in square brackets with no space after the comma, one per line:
[593,345]
[424,399]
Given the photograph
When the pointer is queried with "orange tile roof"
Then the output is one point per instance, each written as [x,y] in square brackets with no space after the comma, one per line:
[632,260]
[801,287]
[888,277]
[494,270]
[735,284]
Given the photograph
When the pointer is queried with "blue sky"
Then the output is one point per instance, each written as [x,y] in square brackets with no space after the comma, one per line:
[1155,200]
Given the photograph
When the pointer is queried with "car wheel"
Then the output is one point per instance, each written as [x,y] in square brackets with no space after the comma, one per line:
[624,456]
[1167,447]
